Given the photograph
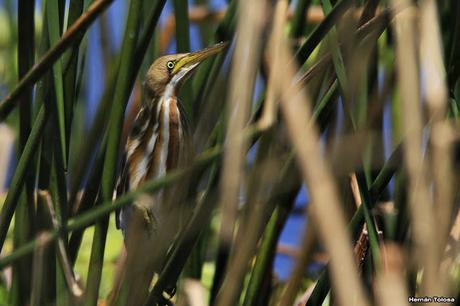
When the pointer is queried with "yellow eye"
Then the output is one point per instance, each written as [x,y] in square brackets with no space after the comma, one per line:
[170,65]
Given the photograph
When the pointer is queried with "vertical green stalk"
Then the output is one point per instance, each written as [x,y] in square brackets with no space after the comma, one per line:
[454,52]
[332,38]
[109,173]
[299,20]
[182,26]
[145,42]
[24,216]
[70,58]
[87,201]
[263,262]
[44,83]
[183,46]
[13,39]
[58,144]
[54,26]
[26,52]
[43,98]
[45,158]
[57,186]
[94,135]
[152,47]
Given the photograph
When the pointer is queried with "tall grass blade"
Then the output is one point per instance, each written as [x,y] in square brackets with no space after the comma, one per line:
[182,26]
[38,283]
[54,27]
[24,217]
[70,80]
[183,46]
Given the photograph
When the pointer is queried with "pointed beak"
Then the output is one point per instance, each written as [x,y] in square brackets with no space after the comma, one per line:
[193,59]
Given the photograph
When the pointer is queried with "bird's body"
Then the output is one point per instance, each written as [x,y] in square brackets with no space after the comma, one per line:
[157,143]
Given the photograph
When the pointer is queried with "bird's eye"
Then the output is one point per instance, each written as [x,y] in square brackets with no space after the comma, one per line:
[170,65]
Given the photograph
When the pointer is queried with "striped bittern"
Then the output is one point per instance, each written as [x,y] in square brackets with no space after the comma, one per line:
[158,143]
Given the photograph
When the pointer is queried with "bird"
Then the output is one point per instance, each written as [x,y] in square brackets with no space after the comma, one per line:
[159,141]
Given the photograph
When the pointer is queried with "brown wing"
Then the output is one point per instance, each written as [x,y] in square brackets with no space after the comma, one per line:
[137,132]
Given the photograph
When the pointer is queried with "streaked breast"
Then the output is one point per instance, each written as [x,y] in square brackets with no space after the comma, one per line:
[158,146]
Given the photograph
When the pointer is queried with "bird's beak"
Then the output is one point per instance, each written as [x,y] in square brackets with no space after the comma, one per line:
[191,59]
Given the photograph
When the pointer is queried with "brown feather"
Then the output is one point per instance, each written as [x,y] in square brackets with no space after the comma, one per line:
[174,135]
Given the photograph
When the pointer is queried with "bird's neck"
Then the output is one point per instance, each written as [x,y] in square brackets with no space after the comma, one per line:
[173,85]
[170,92]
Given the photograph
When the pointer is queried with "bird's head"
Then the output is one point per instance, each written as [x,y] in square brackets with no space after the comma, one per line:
[169,71]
